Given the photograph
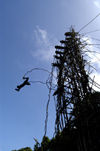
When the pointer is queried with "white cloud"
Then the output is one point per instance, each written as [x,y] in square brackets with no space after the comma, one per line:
[97,3]
[92,51]
[45,45]
[94,59]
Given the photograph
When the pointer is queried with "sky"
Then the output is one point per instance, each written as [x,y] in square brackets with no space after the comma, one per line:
[29,30]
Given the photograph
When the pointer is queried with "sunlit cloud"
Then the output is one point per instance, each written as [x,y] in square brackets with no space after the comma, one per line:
[45,49]
[93,52]
[97,3]
[45,45]
[93,56]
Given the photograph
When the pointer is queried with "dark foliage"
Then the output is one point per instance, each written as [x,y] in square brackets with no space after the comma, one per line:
[85,133]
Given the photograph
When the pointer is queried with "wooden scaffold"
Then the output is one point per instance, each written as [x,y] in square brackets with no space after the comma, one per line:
[72,79]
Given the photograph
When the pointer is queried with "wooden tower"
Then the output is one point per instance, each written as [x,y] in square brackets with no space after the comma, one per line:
[72,80]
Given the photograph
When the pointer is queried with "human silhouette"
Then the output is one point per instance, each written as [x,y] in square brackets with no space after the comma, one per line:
[26,82]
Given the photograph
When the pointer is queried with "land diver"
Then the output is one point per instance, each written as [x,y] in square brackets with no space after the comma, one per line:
[26,82]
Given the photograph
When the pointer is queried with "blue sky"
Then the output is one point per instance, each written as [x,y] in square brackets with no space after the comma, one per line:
[29,30]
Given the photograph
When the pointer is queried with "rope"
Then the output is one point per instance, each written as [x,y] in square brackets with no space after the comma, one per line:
[93,44]
[49,85]
[37,82]
[49,95]
[41,69]
[90,32]
[95,39]
[89,22]
[36,69]
[94,83]
[90,51]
